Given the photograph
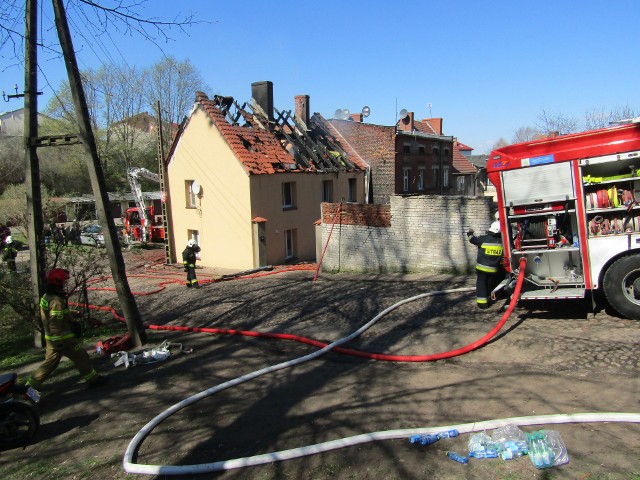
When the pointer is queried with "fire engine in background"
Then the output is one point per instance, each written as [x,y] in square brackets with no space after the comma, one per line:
[140,222]
[569,204]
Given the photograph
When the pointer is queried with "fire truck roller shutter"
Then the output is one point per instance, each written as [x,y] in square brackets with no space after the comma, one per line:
[621,285]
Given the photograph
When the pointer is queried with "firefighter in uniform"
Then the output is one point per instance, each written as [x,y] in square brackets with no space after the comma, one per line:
[488,262]
[9,253]
[59,334]
[189,262]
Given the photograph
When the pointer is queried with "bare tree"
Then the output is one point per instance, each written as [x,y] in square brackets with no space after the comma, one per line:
[501,142]
[556,124]
[525,134]
[94,20]
[174,84]
[601,118]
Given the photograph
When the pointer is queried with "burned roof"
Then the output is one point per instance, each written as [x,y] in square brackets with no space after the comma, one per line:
[283,144]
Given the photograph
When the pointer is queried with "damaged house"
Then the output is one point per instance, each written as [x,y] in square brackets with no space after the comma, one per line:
[246,181]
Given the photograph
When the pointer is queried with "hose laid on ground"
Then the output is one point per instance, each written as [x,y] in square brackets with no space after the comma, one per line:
[133,446]
[376,436]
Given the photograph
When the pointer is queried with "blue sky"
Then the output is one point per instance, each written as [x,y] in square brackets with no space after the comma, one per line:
[486,67]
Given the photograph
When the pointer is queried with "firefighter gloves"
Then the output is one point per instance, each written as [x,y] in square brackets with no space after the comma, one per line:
[470,232]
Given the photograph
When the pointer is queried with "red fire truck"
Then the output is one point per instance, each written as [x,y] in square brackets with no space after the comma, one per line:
[571,206]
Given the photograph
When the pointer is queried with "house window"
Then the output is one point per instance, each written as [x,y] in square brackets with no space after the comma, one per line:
[406,173]
[289,243]
[406,148]
[421,174]
[445,176]
[288,195]
[446,154]
[421,149]
[353,191]
[327,191]
[190,196]
[436,176]
[195,236]
[460,183]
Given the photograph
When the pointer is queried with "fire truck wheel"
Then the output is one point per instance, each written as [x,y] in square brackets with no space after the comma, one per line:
[622,286]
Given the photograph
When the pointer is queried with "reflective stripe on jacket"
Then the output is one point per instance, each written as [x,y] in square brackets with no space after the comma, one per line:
[56,317]
[490,252]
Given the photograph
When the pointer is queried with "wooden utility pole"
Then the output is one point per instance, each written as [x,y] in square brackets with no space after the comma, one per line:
[116,262]
[37,251]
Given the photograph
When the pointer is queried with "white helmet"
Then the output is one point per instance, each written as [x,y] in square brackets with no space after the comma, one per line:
[8,239]
[192,243]
[495,227]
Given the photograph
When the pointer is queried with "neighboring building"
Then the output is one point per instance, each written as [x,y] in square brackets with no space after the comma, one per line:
[144,122]
[467,176]
[413,157]
[247,186]
[12,123]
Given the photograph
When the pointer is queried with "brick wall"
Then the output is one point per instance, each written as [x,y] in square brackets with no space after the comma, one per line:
[376,145]
[421,233]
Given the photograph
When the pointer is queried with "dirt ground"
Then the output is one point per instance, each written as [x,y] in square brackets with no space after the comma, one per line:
[548,359]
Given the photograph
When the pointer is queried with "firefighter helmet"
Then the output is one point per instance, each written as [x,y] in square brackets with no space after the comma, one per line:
[8,240]
[495,227]
[192,243]
[58,276]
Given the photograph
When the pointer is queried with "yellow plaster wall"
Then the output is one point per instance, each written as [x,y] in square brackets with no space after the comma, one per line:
[223,213]
[266,202]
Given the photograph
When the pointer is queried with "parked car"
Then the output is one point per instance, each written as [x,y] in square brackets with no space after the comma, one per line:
[92,235]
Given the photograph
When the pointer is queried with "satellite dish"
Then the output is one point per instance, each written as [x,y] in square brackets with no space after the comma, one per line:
[366,111]
[403,113]
[338,114]
[195,188]
[345,114]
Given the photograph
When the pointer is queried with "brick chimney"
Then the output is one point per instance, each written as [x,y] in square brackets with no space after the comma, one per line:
[262,93]
[436,124]
[356,117]
[407,123]
[302,108]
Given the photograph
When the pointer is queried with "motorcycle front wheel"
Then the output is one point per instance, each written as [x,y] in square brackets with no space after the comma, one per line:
[19,422]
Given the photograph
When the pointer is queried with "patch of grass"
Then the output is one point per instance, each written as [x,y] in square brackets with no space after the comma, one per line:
[16,343]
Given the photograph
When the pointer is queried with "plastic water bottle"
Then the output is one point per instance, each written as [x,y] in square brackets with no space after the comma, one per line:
[458,458]
[424,439]
[448,434]
[486,454]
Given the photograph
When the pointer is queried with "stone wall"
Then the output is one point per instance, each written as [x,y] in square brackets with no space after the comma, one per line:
[421,233]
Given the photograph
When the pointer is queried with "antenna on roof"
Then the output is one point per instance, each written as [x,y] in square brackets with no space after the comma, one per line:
[430,114]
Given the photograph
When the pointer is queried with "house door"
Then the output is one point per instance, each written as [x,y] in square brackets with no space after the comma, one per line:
[259,245]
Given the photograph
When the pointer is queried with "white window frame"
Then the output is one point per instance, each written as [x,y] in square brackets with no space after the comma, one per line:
[445,176]
[327,190]
[353,190]
[289,245]
[288,189]
[460,183]
[435,170]
[422,171]
[190,196]
[406,177]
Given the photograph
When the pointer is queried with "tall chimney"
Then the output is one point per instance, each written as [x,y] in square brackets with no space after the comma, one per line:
[436,124]
[302,108]
[262,93]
